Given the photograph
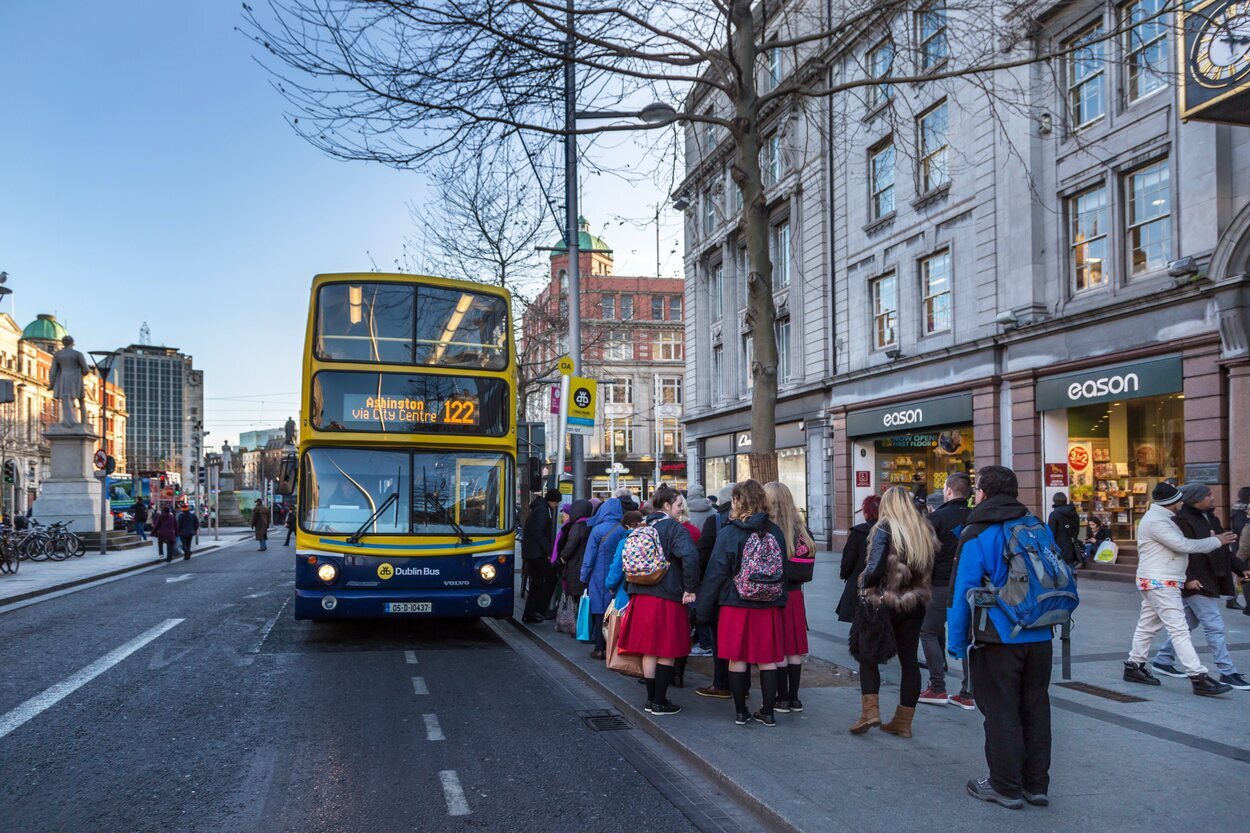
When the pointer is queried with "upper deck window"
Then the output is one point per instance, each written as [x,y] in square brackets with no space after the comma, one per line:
[391,323]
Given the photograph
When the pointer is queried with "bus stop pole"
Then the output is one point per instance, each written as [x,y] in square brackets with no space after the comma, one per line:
[564,431]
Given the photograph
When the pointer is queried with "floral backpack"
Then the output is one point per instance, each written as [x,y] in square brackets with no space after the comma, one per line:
[760,573]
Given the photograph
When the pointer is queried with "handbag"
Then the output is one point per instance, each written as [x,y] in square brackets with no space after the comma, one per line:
[566,615]
[583,619]
[628,664]
[872,634]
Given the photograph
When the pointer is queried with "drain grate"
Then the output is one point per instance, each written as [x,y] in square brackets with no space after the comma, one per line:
[604,720]
[1105,693]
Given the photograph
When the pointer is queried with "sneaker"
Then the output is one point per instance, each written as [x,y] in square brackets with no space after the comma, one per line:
[1236,681]
[782,706]
[1168,670]
[742,719]
[964,701]
[983,791]
[933,697]
[795,705]
[647,708]
[767,719]
[699,651]
[663,709]
[1204,686]
[1037,799]
[713,691]
[1232,604]
[1136,672]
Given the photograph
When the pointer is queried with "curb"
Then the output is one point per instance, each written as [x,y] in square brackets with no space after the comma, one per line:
[642,720]
[121,571]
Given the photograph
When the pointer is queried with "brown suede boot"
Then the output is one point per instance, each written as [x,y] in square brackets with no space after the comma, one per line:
[870,714]
[901,724]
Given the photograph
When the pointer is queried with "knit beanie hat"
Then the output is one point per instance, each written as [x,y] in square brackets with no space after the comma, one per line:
[1194,493]
[725,494]
[1165,494]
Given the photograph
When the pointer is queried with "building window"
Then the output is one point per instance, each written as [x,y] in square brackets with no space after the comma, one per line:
[1145,47]
[1149,218]
[880,65]
[931,35]
[716,291]
[709,133]
[1085,72]
[670,436]
[780,253]
[1088,213]
[670,390]
[770,164]
[618,438]
[742,266]
[674,308]
[718,373]
[657,307]
[607,307]
[774,68]
[620,392]
[748,359]
[782,330]
[884,311]
[709,212]
[735,193]
[668,347]
[932,129]
[881,179]
[935,279]
[627,307]
[620,347]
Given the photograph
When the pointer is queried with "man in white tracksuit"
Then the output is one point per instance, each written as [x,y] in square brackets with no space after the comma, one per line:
[1162,558]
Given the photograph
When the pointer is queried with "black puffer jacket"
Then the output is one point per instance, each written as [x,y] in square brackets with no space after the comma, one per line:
[539,531]
[1066,527]
[854,557]
[717,589]
[572,550]
[948,522]
[1213,570]
[683,561]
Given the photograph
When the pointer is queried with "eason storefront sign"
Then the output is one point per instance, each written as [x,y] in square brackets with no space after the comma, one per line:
[923,413]
[1130,380]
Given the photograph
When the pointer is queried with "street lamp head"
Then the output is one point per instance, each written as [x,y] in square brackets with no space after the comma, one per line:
[658,113]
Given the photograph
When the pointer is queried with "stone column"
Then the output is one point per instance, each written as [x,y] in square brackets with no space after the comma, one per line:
[1206,418]
[1026,442]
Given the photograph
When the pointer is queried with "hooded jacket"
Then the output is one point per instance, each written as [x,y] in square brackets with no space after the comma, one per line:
[1213,570]
[594,573]
[573,547]
[1065,525]
[187,523]
[981,558]
[683,561]
[717,588]
[539,530]
[888,580]
[948,524]
[698,507]
[165,527]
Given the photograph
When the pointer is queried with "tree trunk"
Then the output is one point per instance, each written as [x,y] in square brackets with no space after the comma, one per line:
[761,314]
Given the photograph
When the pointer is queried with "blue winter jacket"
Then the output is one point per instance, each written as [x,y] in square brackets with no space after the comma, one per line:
[980,555]
[603,523]
[616,574]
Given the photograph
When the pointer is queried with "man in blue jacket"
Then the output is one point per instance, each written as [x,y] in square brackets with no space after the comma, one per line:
[1010,674]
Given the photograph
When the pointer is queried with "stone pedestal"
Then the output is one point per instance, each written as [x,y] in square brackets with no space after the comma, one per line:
[73,492]
[228,513]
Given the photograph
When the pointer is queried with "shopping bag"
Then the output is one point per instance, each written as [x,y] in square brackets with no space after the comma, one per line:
[566,615]
[1106,552]
[628,664]
[583,619]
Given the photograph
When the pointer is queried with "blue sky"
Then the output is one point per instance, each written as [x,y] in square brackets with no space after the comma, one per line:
[149,175]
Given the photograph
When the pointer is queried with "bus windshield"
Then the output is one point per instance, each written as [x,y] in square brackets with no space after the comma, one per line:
[404,324]
[438,490]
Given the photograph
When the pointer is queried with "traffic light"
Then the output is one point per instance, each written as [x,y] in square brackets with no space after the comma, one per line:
[10,471]
[162,481]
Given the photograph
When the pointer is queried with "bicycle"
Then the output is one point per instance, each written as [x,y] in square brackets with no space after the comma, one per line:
[10,555]
[62,543]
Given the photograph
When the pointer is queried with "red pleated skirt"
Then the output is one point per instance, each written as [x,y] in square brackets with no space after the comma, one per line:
[794,624]
[749,634]
[655,627]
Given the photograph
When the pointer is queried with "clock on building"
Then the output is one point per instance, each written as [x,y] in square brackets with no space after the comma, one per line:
[1215,60]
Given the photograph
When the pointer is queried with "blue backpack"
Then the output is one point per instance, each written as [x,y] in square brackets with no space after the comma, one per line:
[1040,591]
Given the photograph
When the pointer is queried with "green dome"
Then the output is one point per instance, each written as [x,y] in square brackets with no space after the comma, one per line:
[585,241]
[44,328]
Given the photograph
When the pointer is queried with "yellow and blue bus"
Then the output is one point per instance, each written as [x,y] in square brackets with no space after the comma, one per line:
[407,449]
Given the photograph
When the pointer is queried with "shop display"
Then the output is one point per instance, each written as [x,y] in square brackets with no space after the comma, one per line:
[923,458]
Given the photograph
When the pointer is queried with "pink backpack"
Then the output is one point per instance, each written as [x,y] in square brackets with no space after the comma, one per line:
[760,573]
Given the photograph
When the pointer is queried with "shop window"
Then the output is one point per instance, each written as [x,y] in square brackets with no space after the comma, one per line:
[880,61]
[1145,47]
[935,278]
[1087,213]
[1086,68]
[884,311]
[792,471]
[1149,218]
[881,179]
[717,472]
[923,460]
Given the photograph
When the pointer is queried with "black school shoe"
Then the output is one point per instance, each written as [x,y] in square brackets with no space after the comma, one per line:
[983,791]
[1136,672]
[742,719]
[782,706]
[1204,686]
[767,719]
[664,709]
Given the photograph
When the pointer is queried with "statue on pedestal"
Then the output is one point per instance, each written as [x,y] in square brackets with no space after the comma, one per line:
[68,369]
[225,457]
[289,430]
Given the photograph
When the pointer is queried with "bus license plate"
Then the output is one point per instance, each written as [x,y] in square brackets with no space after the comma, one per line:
[409,607]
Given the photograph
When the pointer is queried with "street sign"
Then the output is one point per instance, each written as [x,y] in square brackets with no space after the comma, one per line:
[566,488]
[100,459]
[555,399]
[566,366]
[581,405]
[617,468]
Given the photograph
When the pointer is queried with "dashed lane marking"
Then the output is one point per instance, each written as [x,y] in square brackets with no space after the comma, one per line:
[454,795]
[256,595]
[410,657]
[269,627]
[432,730]
[177,579]
[418,686]
[50,697]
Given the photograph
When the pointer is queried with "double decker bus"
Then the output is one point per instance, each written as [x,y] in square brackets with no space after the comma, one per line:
[407,448]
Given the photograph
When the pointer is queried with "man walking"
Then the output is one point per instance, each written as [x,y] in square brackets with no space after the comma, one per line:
[1208,576]
[948,522]
[1010,667]
[1162,559]
[141,519]
[290,526]
[260,524]
[187,526]
[538,536]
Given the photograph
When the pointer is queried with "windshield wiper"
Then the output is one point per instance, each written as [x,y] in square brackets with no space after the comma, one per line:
[355,537]
[430,497]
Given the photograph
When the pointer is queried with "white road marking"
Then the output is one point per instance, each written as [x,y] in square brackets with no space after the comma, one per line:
[410,657]
[177,579]
[256,595]
[432,730]
[268,627]
[72,683]
[418,686]
[454,795]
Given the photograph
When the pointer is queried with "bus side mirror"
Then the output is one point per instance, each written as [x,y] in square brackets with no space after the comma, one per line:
[287,471]
[535,474]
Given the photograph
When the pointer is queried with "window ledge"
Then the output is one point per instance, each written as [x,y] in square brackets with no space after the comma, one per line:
[877,109]
[880,223]
[938,193]
[935,69]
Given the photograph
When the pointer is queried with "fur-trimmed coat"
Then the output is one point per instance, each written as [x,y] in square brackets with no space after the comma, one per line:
[888,580]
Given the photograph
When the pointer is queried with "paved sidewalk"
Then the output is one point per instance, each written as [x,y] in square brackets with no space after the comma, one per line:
[1116,766]
[38,578]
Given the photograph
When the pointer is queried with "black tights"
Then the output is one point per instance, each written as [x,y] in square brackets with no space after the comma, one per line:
[907,637]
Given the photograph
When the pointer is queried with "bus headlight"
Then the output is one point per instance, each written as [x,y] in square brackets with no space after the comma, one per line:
[327,572]
[487,572]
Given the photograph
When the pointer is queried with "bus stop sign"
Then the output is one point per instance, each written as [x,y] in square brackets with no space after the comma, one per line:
[581,405]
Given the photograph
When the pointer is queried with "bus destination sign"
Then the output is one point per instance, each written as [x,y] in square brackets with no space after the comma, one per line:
[459,410]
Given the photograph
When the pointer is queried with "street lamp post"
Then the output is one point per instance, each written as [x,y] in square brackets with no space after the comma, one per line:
[103,360]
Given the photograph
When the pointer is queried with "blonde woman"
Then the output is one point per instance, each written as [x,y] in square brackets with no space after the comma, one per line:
[896,581]
[800,553]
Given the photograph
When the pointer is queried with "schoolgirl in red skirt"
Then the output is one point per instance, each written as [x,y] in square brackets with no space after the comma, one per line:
[749,631]
[800,552]
[657,625]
